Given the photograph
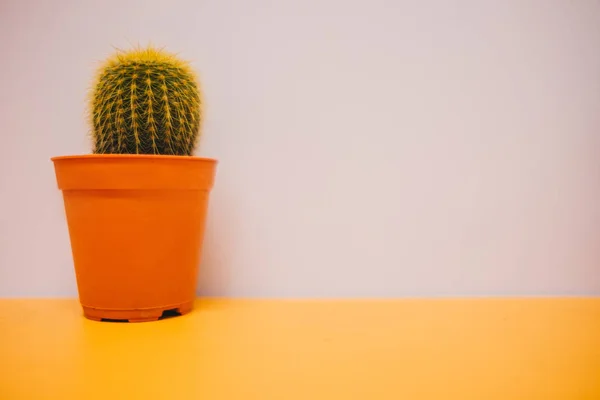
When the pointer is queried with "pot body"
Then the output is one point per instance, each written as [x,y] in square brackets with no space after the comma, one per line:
[136,226]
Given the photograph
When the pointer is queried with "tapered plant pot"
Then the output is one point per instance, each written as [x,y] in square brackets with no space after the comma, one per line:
[136,226]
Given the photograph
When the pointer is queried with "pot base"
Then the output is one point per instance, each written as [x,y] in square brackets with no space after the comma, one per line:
[144,315]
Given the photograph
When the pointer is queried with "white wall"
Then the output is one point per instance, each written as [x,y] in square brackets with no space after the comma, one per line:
[367,148]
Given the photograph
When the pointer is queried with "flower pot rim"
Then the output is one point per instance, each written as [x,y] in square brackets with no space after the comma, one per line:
[134,172]
[133,156]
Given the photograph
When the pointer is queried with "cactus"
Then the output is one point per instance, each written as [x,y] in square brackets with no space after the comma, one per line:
[145,101]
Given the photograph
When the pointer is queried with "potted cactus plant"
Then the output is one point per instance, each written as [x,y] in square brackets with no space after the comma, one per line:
[136,207]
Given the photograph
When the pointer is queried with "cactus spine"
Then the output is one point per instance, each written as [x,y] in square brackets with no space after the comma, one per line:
[145,101]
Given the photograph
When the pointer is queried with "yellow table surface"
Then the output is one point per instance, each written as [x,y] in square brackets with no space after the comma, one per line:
[481,349]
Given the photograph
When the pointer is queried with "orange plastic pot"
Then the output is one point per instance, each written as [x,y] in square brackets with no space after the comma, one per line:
[136,226]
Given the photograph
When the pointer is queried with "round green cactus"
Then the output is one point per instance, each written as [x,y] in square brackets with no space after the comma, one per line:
[145,101]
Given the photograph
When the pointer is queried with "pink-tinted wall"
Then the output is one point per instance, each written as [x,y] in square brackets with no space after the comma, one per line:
[367,148]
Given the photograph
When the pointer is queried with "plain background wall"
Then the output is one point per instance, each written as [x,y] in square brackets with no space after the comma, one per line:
[367,148]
